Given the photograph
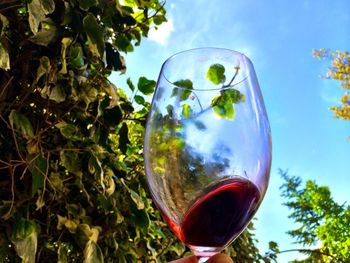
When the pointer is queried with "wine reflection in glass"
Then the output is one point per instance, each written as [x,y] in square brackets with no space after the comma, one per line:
[207,147]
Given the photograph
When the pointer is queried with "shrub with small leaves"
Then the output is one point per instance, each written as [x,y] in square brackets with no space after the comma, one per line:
[72,183]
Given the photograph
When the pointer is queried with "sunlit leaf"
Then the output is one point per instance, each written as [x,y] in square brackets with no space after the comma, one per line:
[93,253]
[25,238]
[66,41]
[216,73]
[4,54]
[4,58]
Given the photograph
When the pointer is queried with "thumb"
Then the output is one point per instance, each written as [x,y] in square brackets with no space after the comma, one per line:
[220,258]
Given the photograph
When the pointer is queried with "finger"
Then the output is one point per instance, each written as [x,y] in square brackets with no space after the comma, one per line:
[220,258]
[190,259]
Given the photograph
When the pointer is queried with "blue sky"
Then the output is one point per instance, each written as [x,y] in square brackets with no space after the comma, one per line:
[278,36]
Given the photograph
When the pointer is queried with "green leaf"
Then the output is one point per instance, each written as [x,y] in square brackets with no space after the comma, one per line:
[186,111]
[185,90]
[95,167]
[70,160]
[38,168]
[57,94]
[223,106]
[46,35]
[95,35]
[235,95]
[38,9]
[4,24]
[25,238]
[66,41]
[76,57]
[139,100]
[63,253]
[63,221]
[86,4]
[4,54]
[44,67]
[130,84]
[93,253]
[124,138]
[184,83]
[22,124]
[123,43]
[69,131]
[159,19]
[136,35]
[137,199]
[146,86]
[216,74]
[4,57]
[114,60]
[139,217]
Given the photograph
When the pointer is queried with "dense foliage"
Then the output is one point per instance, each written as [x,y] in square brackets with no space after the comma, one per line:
[323,225]
[72,185]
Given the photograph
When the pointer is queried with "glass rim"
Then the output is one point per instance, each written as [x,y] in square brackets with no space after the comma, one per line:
[172,57]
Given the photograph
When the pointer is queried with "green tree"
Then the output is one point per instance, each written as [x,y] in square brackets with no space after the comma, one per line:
[72,184]
[321,222]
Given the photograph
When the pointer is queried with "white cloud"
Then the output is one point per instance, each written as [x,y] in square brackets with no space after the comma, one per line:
[162,33]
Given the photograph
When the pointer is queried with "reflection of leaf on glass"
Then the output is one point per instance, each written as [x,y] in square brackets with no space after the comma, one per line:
[186,86]
[186,111]
[223,106]
[216,74]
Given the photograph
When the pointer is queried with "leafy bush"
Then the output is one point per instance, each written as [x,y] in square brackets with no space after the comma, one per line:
[72,185]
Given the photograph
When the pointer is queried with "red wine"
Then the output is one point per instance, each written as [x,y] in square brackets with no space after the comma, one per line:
[220,215]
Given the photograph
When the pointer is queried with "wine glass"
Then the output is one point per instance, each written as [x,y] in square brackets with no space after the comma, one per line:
[207,147]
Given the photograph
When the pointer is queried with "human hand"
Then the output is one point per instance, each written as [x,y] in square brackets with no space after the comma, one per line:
[218,258]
